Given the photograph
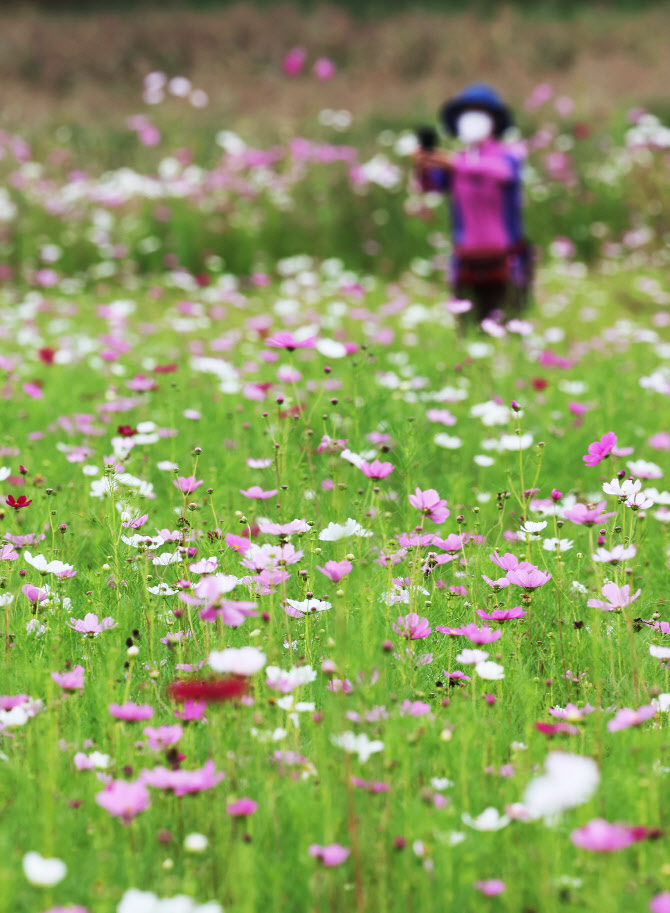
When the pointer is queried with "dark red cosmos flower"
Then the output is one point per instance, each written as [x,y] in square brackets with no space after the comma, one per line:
[47,355]
[127,431]
[539,383]
[208,689]
[18,503]
[203,280]
[166,369]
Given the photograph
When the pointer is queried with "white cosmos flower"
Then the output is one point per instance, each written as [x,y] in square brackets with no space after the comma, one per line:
[166,558]
[482,460]
[43,872]
[489,820]
[516,442]
[569,781]
[472,657]
[134,901]
[242,661]
[40,563]
[560,545]
[490,671]
[357,744]
[448,441]
[534,526]
[662,702]
[662,653]
[335,531]
[5,473]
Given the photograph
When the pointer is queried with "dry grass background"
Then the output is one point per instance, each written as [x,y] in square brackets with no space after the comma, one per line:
[88,68]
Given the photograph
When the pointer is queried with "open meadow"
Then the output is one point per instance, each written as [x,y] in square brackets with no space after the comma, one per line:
[313,597]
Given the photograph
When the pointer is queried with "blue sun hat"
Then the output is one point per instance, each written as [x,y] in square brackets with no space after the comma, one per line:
[481,96]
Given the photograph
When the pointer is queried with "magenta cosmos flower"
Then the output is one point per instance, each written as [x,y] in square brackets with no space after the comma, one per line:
[599,450]
[124,800]
[130,712]
[187,484]
[600,836]
[242,808]
[91,625]
[294,61]
[331,855]
[376,469]
[617,598]
[34,594]
[182,782]
[430,504]
[501,615]
[474,634]
[73,680]
[626,717]
[412,626]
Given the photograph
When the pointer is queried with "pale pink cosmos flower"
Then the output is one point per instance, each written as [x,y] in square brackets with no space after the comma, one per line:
[283,529]
[36,594]
[452,544]
[472,657]
[587,515]
[617,598]
[131,712]
[627,717]
[7,553]
[615,555]
[430,504]
[91,625]
[124,800]
[187,484]
[600,836]
[507,562]
[491,887]
[336,570]
[498,584]
[159,737]
[412,626]
[72,680]
[441,416]
[286,340]
[571,712]
[599,450]
[257,493]
[242,808]
[331,855]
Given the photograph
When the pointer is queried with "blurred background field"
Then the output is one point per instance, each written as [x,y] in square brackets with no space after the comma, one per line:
[119,183]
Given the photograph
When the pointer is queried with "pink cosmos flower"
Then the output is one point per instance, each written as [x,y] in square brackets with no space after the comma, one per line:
[626,717]
[182,782]
[256,492]
[600,836]
[237,543]
[7,553]
[554,728]
[571,712]
[131,712]
[528,579]
[324,69]
[491,887]
[442,416]
[474,634]
[456,676]
[507,562]
[72,680]
[187,484]
[124,800]
[501,615]
[430,504]
[587,515]
[376,469]
[91,625]
[159,737]
[336,570]
[192,711]
[137,523]
[599,450]
[331,855]
[242,808]
[286,340]
[34,594]
[412,626]
[660,903]
[283,529]
[414,708]
[660,441]
[617,598]
[452,544]
[498,584]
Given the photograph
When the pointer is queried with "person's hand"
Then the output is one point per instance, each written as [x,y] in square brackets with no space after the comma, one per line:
[433,158]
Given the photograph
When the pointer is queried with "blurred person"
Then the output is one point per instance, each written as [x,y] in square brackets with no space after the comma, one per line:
[491,263]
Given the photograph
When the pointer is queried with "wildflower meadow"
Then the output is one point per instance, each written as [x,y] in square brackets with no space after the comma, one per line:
[313,595]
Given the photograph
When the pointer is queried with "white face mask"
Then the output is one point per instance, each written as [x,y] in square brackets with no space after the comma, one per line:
[474,126]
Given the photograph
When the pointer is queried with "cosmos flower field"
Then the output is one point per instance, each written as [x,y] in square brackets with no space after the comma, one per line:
[310,601]
[315,596]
